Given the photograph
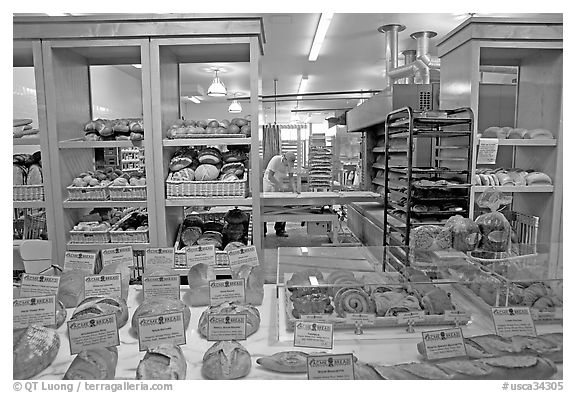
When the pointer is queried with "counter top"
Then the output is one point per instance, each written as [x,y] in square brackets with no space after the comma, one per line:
[316,198]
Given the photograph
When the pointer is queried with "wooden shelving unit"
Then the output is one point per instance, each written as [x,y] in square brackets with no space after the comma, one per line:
[79,143]
[517,189]
[205,141]
[525,142]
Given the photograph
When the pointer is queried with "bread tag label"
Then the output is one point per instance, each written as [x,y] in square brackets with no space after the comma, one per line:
[458,316]
[324,318]
[323,367]
[39,285]
[360,319]
[122,255]
[103,285]
[163,328]
[221,291]
[223,327]
[84,261]
[205,253]
[243,256]
[93,332]
[487,151]
[445,343]
[313,335]
[406,318]
[547,315]
[513,321]
[40,310]
[159,257]
[161,286]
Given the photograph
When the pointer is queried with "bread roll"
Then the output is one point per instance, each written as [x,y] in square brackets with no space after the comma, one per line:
[492,132]
[100,305]
[285,362]
[166,361]
[95,363]
[157,306]
[34,349]
[252,316]
[517,133]
[539,134]
[71,289]
[537,179]
[226,360]
[124,270]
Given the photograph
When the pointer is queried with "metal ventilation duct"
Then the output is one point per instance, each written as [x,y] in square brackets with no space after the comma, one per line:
[422,50]
[391,50]
[409,57]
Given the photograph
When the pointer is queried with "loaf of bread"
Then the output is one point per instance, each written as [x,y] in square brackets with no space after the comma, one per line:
[157,306]
[517,133]
[539,134]
[538,179]
[95,306]
[95,363]
[71,289]
[252,316]
[226,360]
[254,280]
[34,349]
[502,367]
[166,361]
[285,362]
[198,283]
[124,270]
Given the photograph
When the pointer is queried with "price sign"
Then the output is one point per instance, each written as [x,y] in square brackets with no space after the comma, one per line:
[93,332]
[487,151]
[457,316]
[243,256]
[205,253]
[159,257]
[359,318]
[410,317]
[325,367]
[513,321]
[103,285]
[313,335]
[221,291]
[84,261]
[161,286]
[445,343]
[39,285]
[122,255]
[324,318]
[223,327]
[40,310]
[162,328]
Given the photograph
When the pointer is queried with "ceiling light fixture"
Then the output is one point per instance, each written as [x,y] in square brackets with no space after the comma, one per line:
[194,99]
[302,86]
[217,88]
[323,25]
[137,65]
[235,106]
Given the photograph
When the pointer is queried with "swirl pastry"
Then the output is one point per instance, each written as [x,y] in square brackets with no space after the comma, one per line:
[409,303]
[353,300]
[437,301]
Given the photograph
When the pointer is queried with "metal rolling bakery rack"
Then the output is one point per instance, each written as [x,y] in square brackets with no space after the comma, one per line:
[417,195]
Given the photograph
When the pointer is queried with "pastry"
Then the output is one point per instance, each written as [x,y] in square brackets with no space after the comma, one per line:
[166,361]
[312,303]
[252,316]
[99,305]
[285,362]
[33,349]
[226,360]
[95,363]
[407,304]
[436,302]
[386,300]
[353,300]
[156,306]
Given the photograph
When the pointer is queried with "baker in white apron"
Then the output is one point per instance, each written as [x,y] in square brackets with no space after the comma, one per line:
[278,169]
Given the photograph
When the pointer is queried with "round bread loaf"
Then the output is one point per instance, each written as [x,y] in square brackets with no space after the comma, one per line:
[71,288]
[206,172]
[166,361]
[210,155]
[198,283]
[254,279]
[251,312]
[96,363]
[156,306]
[99,305]
[234,246]
[33,349]
[124,270]
[190,235]
[226,360]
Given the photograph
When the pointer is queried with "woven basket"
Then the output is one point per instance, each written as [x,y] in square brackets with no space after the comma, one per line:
[127,193]
[89,237]
[117,236]
[216,188]
[87,193]
[28,193]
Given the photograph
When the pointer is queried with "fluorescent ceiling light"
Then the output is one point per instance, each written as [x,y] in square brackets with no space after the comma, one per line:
[137,65]
[323,25]
[302,86]
[194,99]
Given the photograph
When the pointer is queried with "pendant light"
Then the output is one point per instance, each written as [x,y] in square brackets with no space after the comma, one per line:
[217,88]
[235,106]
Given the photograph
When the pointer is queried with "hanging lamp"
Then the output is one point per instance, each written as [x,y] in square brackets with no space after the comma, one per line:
[217,88]
[235,106]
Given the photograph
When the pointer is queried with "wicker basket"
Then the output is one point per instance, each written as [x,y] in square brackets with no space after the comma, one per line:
[31,225]
[214,189]
[28,193]
[87,193]
[117,236]
[89,237]
[127,193]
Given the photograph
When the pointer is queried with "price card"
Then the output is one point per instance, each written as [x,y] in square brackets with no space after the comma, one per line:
[456,316]
[363,319]
[324,318]
[40,310]
[546,315]
[221,291]
[513,321]
[227,327]
[313,335]
[243,256]
[161,328]
[93,332]
[84,261]
[445,343]
[161,286]
[38,285]
[103,285]
[123,255]
[205,253]
[323,367]
[487,151]
[410,317]
[159,257]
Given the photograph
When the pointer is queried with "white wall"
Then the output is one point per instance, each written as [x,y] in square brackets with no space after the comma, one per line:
[115,94]
[24,95]
[211,110]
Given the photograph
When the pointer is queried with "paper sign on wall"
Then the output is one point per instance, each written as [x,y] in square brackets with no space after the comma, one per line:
[39,285]
[313,335]
[487,151]
[223,327]
[84,261]
[221,291]
[123,255]
[93,332]
[164,328]
[243,256]
[445,343]
[161,286]
[513,321]
[205,253]
[40,310]
[109,285]
[324,367]
[159,257]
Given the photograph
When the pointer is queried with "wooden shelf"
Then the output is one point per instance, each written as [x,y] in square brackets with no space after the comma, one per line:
[379,166]
[68,204]
[525,142]
[516,189]
[82,144]
[28,204]
[205,141]
[379,149]
[380,182]
[209,202]
[102,246]
[27,141]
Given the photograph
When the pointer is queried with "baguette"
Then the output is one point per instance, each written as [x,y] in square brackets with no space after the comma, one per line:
[503,367]
[166,361]
[95,363]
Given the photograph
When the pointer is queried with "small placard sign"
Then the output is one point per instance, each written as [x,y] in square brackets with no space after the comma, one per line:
[39,310]
[223,327]
[159,257]
[221,291]
[487,151]
[84,261]
[313,335]
[445,343]
[243,256]
[123,255]
[410,317]
[205,253]
[360,318]
[93,332]
[162,328]
[39,285]
[103,285]
[326,367]
[161,286]
[513,321]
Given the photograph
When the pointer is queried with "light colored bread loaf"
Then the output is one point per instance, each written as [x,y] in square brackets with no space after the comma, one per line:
[226,360]
[157,306]
[252,316]
[124,271]
[34,349]
[71,289]
[166,361]
[96,364]
[99,305]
